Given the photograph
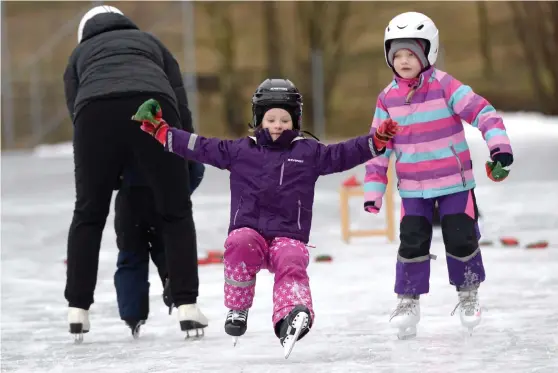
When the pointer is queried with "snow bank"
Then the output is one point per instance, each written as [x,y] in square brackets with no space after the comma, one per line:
[519,125]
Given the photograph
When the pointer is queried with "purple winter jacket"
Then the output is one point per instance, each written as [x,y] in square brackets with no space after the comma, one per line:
[272,182]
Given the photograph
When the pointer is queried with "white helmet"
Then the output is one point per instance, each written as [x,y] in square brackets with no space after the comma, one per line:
[413,25]
[92,13]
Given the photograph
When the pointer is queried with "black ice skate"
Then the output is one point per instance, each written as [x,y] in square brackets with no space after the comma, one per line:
[236,324]
[134,326]
[167,299]
[293,328]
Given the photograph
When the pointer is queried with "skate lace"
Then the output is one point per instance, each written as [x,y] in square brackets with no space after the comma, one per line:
[240,315]
[404,306]
[467,302]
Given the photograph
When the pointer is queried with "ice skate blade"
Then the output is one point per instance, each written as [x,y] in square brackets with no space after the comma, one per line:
[78,338]
[76,329]
[299,323]
[194,334]
[407,333]
[235,341]
[136,330]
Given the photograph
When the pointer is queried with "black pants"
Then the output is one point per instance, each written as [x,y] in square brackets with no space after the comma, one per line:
[106,140]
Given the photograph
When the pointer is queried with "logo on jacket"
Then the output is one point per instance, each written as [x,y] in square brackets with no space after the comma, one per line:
[295,160]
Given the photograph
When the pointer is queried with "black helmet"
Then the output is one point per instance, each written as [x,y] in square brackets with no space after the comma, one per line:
[277,93]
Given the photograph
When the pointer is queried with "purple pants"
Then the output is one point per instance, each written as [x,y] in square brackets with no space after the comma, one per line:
[458,213]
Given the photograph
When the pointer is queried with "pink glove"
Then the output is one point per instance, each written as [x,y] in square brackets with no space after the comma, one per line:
[373,207]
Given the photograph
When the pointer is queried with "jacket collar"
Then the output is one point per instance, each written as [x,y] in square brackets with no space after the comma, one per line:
[263,138]
[415,82]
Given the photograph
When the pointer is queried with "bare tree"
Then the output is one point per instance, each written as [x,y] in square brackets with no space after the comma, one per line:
[536,24]
[225,42]
[322,27]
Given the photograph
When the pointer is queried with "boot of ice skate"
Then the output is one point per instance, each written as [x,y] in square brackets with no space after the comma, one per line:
[78,319]
[192,320]
[406,316]
[293,328]
[236,324]
[469,307]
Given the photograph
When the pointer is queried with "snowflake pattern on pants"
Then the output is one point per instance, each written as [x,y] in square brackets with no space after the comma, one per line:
[247,252]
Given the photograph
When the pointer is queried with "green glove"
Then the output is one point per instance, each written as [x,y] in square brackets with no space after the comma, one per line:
[150,111]
[496,172]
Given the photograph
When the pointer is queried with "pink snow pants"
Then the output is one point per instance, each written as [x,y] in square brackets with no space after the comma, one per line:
[246,252]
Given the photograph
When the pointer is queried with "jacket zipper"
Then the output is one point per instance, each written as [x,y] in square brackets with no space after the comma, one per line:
[461,170]
[237,210]
[282,171]
[298,219]
[399,155]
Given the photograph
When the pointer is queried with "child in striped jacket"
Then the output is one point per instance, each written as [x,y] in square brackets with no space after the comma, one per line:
[433,164]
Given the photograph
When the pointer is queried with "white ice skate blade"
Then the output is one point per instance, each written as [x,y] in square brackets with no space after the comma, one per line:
[235,341]
[407,333]
[194,337]
[78,338]
[299,323]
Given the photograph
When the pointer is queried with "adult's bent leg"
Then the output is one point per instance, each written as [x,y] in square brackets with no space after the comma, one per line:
[168,177]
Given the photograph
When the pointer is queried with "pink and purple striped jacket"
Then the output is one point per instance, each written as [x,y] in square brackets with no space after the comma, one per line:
[432,155]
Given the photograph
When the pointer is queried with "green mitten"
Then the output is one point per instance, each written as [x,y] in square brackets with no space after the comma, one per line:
[150,111]
[496,172]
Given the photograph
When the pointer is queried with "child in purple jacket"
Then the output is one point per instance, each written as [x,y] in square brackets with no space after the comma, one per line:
[272,181]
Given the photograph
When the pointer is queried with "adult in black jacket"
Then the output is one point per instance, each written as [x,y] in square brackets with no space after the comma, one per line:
[111,72]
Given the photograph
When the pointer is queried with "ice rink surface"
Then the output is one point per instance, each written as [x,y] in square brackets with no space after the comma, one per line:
[353,295]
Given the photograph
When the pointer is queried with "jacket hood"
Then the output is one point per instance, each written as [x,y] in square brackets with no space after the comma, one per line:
[99,23]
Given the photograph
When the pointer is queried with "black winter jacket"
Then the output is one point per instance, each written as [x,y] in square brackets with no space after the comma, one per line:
[115,58]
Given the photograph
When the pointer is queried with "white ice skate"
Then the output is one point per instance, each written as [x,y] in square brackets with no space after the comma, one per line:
[470,311]
[79,323]
[406,317]
[191,318]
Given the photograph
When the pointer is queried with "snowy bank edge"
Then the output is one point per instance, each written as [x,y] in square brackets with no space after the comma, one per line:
[519,125]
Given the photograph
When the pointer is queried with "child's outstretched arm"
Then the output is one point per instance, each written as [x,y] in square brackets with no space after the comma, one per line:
[214,152]
[346,155]
[478,112]
[375,178]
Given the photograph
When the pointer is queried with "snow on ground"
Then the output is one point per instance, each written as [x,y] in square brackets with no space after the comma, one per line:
[353,295]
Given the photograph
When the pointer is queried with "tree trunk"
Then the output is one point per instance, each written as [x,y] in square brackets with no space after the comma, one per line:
[536,29]
[322,28]
[272,41]
[225,42]
[484,40]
